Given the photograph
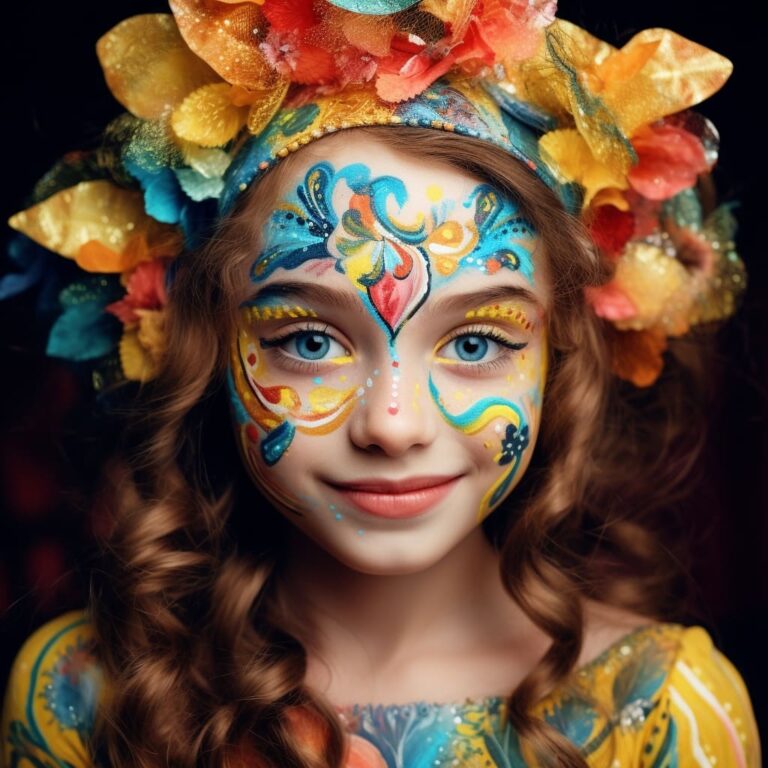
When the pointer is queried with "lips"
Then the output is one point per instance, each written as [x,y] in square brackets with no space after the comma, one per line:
[397,499]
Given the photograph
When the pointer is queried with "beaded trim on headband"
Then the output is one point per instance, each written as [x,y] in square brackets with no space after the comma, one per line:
[217,92]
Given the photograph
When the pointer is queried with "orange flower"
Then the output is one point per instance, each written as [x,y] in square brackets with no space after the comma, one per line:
[637,355]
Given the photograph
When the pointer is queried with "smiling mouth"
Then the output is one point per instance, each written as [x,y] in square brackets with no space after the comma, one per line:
[396,499]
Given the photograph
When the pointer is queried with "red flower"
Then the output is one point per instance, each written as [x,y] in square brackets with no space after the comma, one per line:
[290,54]
[145,290]
[611,229]
[290,15]
[411,67]
[645,212]
[669,161]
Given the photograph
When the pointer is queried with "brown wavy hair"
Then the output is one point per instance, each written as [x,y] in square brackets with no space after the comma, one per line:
[203,665]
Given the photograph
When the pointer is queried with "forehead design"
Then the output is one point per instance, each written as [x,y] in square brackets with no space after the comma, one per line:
[393,253]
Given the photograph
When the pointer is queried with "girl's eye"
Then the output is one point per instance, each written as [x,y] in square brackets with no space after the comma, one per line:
[485,349]
[472,349]
[309,345]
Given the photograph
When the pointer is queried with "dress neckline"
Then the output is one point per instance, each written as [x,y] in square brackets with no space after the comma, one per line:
[495,700]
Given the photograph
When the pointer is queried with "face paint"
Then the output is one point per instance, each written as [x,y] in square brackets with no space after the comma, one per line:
[279,410]
[392,259]
[365,231]
[254,313]
[506,312]
[515,440]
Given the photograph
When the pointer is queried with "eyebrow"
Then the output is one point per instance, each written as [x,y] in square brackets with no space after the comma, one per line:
[345,300]
[496,293]
[308,293]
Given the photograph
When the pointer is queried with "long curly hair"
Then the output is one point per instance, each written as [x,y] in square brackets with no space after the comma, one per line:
[202,663]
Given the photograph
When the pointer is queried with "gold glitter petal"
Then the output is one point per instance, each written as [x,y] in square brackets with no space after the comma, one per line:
[569,156]
[227,37]
[685,72]
[147,65]
[96,211]
[207,117]
[265,104]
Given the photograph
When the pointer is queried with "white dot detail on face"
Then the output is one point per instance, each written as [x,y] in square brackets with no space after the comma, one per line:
[394,408]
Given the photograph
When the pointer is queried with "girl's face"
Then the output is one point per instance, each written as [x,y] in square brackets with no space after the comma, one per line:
[388,372]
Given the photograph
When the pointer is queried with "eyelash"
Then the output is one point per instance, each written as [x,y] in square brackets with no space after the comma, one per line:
[311,367]
[294,363]
[487,332]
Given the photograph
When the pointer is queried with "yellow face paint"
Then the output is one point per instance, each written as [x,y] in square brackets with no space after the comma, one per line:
[506,311]
[434,193]
[254,314]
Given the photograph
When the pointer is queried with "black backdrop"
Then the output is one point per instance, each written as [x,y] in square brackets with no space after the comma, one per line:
[54,100]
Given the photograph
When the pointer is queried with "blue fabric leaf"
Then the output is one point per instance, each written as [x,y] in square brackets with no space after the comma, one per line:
[30,258]
[84,331]
[197,186]
[164,198]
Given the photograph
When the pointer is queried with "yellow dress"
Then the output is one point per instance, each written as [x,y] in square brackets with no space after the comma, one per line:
[662,696]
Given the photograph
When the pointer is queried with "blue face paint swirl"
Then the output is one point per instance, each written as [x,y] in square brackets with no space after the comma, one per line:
[392,257]
[515,441]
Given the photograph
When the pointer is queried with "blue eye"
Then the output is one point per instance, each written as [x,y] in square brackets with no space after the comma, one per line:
[307,345]
[310,345]
[472,348]
[486,349]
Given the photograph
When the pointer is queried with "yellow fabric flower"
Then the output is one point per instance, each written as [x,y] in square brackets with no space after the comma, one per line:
[607,93]
[143,345]
[101,226]
[568,155]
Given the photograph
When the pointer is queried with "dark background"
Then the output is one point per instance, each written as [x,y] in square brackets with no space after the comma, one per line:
[55,100]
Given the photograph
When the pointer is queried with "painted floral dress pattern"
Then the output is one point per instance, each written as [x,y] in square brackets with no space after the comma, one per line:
[662,696]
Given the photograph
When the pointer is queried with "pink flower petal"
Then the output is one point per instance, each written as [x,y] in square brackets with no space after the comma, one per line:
[396,87]
[669,161]
[610,302]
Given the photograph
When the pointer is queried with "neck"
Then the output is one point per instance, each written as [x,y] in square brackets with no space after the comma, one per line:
[369,625]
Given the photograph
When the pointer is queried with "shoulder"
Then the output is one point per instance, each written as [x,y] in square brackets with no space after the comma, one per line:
[52,696]
[703,712]
[663,692]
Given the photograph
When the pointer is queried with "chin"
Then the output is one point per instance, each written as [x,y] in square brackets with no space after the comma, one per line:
[379,557]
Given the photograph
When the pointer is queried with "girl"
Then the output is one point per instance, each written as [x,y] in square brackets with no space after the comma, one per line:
[381,505]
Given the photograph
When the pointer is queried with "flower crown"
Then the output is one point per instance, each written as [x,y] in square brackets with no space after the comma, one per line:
[219,91]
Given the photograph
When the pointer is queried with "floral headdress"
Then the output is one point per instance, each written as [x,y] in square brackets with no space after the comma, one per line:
[219,91]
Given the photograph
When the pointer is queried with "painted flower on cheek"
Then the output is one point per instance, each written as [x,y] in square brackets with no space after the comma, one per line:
[514,443]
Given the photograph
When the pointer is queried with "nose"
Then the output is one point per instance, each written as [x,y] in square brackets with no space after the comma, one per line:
[394,415]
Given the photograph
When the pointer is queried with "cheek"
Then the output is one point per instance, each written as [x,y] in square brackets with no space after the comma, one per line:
[498,417]
[272,407]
